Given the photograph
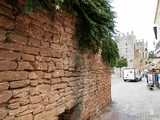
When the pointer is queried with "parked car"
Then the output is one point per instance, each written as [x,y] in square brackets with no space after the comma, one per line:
[132,74]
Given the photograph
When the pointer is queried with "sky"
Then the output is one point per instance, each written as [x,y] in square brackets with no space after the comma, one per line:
[137,16]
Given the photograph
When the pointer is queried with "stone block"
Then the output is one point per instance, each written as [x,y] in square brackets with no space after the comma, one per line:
[60,109]
[47,75]
[34,42]
[36,75]
[56,46]
[14,105]
[26,117]
[13,75]
[19,84]
[51,67]
[24,101]
[58,73]
[18,111]
[51,106]
[31,50]
[48,115]
[24,66]
[38,110]
[22,29]
[47,52]
[23,18]
[9,55]
[55,81]
[43,88]
[2,37]
[34,91]
[28,57]
[36,32]
[20,93]
[5,96]
[56,53]
[6,22]
[4,86]
[40,66]
[18,39]
[29,111]
[11,47]
[39,116]
[35,99]
[3,112]
[59,66]
[53,98]
[9,118]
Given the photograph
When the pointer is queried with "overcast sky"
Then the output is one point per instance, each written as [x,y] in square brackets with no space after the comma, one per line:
[137,16]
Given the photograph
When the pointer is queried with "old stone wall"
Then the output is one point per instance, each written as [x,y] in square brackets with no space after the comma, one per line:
[42,71]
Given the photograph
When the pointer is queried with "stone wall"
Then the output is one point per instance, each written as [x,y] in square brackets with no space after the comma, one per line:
[42,71]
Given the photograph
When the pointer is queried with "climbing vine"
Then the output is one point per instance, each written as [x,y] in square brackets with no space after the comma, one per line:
[95,26]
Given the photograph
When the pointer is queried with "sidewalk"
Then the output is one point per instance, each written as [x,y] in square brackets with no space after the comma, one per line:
[132,101]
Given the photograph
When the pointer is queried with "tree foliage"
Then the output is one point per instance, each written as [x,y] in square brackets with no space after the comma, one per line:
[95,25]
[122,62]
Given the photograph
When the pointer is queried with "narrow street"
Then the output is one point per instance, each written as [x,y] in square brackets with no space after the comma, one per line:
[132,101]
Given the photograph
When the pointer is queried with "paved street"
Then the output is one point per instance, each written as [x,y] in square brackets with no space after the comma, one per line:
[132,101]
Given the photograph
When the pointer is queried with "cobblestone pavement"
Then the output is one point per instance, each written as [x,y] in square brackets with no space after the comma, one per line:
[132,101]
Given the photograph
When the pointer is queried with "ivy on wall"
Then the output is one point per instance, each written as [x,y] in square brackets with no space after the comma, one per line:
[95,26]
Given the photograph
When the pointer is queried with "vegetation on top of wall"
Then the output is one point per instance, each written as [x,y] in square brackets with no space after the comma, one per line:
[95,25]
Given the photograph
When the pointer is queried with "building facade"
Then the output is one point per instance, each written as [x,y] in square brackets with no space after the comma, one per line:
[134,51]
[157,22]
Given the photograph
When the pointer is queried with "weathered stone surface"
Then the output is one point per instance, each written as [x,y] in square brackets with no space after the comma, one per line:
[19,84]
[59,66]
[38,116]
[2,37]
[6,22]
[19,39]
[9,55]
[51,106]
[58,73]
[31,50]
[4,86]
[38,110]
[60,109]
[40,73]
[51,67]
[3,113]
[36,75]
[20,93]
[28,57]
[34,42]
[55,81]
[35,99]
[17,111]
[26,117]
[13,75]
[14,105]
[9,118]
[56,53]
[24,101]
[27,112]
[40,65]
[49,114]
[11,47]
[47,75]
[43,88]
[5,96]
[24,66]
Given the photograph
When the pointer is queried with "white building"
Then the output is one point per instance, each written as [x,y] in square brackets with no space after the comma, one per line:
[126,46]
